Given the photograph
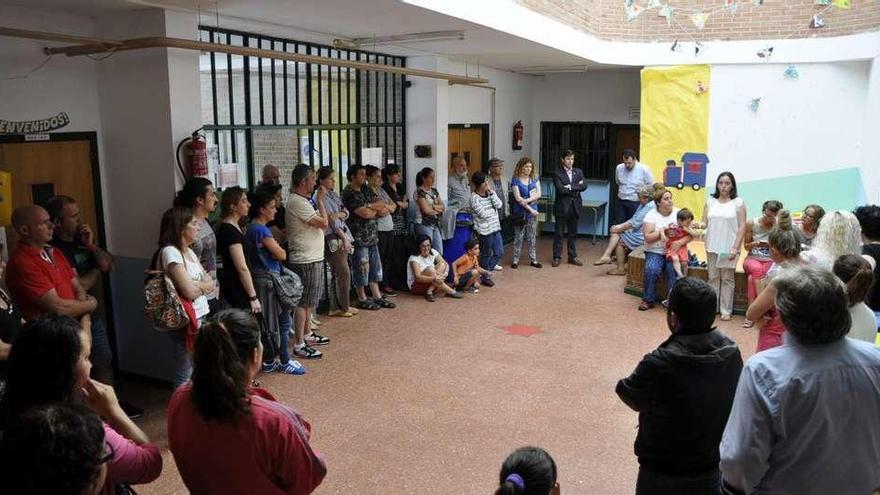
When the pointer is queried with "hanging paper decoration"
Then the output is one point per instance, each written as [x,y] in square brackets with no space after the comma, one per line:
[817,21]
[843,4]
[628,3]
[666,11]
[766,52]
[701,88]
[791,72]
[757,2]
[633,11]
[823,2]
[699,19]
[755,104]
[676,47]
[697,47]
[653,4]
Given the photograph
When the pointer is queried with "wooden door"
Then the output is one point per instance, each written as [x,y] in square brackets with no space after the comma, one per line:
[43,169]
[627,138]
[467,142]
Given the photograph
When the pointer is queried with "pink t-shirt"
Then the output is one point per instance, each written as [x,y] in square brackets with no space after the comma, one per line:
[267,452]
[131,464]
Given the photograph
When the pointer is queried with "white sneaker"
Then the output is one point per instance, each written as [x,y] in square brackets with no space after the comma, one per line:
[498,268]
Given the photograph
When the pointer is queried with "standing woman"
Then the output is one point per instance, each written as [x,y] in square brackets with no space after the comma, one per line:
[810,221]
[198,195]
[228,436]
[337,246]
[756,238]
[236,282]
[656,221]
[385,224]
[785,250]
[725,218]
[430,208]
[394,267]
[276,319]
[178,231]
[526,190]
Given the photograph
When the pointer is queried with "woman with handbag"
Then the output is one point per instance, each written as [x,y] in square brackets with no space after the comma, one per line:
[337,246]
[276,317]
[526,189]
[178,231]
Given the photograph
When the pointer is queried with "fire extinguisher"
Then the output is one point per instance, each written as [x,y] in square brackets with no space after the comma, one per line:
[518,135]
[195,154]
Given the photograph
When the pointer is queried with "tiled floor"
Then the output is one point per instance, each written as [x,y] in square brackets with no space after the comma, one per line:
[431,397]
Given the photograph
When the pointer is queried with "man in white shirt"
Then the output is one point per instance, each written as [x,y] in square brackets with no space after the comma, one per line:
[630,176]
[804,419]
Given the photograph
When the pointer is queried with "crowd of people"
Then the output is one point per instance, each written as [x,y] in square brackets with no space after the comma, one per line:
[250,278]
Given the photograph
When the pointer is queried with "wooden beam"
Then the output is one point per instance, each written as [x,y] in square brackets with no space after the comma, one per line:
[94,46]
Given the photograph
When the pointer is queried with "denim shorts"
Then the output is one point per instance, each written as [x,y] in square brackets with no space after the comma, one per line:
[366,266]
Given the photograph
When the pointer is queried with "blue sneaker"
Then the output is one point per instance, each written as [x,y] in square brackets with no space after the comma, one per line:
[292,368]
[271,367]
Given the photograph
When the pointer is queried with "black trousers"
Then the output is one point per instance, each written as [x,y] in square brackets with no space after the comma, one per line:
[570,224]
[652,483]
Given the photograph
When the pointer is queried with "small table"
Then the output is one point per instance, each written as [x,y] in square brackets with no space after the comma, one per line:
[595,206]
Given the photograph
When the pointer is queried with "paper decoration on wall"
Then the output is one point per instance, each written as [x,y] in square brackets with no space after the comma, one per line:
[766,52]
[791,72]
[666,11]
[701,87]
[823,2]
[633,11]
[843,4]
[653,4]
[755,105]
[699,19]
[817,21]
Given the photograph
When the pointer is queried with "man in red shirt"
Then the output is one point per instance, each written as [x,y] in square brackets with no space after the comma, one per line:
[39,277]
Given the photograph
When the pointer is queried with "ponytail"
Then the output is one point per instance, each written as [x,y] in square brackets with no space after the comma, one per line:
[527,471]
[856,272]
[782,237]
[221,358]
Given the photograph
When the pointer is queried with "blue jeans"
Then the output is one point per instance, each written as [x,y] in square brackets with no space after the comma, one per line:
[491,250]
[366,266]
[654,265]
[651,483]
[102,354]
[433,232]
[182,358]
[284,323]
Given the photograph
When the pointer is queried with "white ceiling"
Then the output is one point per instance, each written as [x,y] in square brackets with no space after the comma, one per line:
[323,20]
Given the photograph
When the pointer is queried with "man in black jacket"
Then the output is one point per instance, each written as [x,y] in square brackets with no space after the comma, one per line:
[683,392]
[569,183]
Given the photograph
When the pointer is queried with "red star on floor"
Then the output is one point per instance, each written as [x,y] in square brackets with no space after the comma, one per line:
[521,330]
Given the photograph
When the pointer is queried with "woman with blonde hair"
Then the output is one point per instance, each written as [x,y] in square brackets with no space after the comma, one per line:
[837,235]
[526,189]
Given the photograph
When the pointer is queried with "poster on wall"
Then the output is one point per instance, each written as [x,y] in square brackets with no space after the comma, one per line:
[227,175]
[372,156]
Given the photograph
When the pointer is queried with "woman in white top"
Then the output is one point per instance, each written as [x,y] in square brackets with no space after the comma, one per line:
[427,271]
[656,221]
[858,275]
[725,218]
[179,230]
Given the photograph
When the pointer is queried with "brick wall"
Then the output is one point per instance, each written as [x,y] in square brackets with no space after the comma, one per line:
[606,19]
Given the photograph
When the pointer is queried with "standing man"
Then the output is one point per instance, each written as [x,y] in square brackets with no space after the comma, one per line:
[501,185]
[683,392]
[271,175]
[305,249]
[458,197]
[630,176]
[366,264]
[40,279]
[804,419]
[570,183]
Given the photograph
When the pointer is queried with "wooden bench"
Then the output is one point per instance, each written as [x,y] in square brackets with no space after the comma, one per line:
[635,276]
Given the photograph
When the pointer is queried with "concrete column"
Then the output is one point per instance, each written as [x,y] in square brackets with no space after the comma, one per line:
[427,122]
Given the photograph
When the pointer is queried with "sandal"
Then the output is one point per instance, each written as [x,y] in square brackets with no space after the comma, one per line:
[748,324]
[725,317]
[645,306]
[385,303]
[602,261]
[616,271]
[368,305]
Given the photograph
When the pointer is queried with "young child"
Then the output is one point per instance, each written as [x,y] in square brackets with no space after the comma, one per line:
[528,471]
[674,232]
[467,269]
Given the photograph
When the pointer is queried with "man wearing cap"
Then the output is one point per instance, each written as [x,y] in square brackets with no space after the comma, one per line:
[630,176]
[501,185]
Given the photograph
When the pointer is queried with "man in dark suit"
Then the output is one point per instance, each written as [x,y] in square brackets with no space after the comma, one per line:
[569,183]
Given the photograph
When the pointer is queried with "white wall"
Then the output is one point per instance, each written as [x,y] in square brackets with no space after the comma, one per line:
[595,96]
[871,135]
[427,122]
[812,124]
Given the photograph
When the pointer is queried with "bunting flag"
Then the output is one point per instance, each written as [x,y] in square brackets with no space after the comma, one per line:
[654,4]
[755,105]
[666,11]
[699,19]
[633,12]
[843,4]
[791,72]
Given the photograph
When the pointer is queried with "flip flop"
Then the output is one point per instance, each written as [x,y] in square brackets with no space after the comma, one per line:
[602,261]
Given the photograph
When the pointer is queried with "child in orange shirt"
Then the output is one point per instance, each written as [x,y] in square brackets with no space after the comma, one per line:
[467,269]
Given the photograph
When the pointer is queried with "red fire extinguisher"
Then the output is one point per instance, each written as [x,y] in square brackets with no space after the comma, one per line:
[195,155]
[518,135]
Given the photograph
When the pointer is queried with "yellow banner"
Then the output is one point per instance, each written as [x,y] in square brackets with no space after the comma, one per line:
[675,126]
